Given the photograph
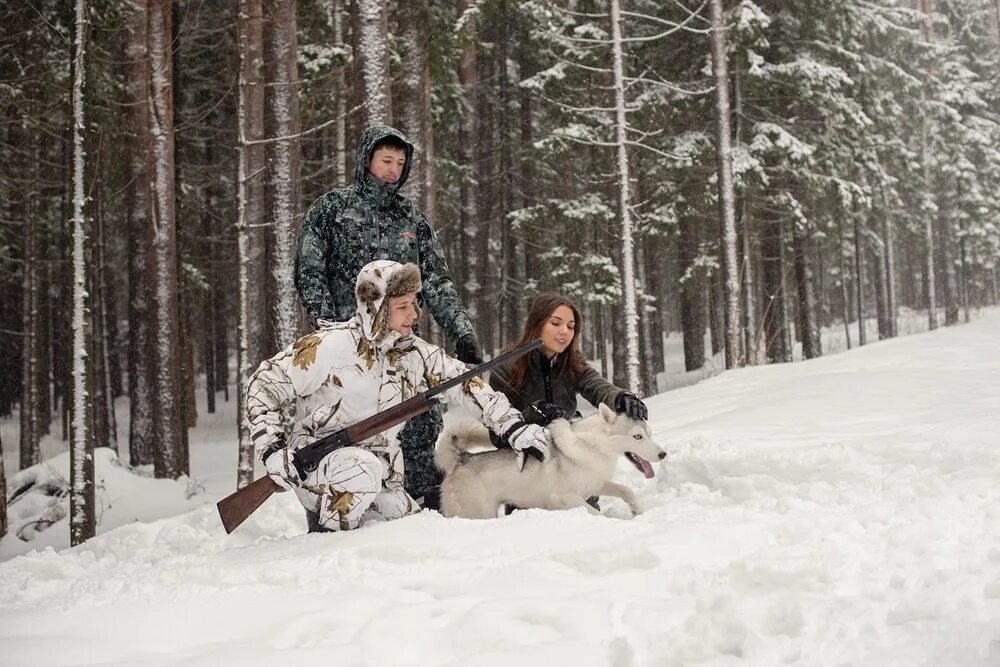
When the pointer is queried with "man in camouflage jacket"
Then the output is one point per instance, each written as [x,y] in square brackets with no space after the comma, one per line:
[369,220]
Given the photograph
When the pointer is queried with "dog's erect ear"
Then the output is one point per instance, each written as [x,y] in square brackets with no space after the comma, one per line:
[607,414]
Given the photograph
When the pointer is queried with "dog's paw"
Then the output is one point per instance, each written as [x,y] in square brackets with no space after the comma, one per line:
[636,509]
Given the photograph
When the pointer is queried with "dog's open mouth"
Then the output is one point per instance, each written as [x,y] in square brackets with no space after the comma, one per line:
[641,464]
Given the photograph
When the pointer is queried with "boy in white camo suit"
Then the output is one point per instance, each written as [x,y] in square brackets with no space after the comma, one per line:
[346,371]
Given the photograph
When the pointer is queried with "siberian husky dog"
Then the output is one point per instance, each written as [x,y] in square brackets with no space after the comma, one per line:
[580,465]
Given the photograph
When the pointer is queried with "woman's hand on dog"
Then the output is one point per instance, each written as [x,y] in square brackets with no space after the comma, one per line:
[630,405]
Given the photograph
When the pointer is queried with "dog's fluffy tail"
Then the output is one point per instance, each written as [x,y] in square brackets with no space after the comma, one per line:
[455,440]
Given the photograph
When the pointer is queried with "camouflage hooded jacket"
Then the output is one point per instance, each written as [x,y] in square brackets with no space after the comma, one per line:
[346,229]
[346,371]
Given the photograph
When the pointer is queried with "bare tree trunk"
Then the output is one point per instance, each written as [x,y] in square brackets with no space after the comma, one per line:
[776,340]
[845,294]
[751,339]
[167,415]
[947,263]
[374,60]
[3,494]
[340,96]
[964,271]
[82,523]
[693,306]
[881,291]
[98,348]
[414,121]
[526,169]
[283,108]
[859,276]
[140,241]
[645,326]
[716,316]
[466,275]
[929,277]
[808,323]
[889,261]
[631,317]
[510,252]
[250,219]
[727,196]
[30,436]
[427,134]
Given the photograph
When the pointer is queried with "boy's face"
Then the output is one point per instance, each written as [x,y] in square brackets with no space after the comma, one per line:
[403,313]
[387,164]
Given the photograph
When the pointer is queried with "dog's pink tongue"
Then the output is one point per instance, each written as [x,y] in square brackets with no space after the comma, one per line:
[646,467]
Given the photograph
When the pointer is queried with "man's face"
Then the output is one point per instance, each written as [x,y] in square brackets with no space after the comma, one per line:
[403,313]
[387,164]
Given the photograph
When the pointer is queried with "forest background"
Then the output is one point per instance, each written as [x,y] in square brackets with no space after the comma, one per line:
[744,173]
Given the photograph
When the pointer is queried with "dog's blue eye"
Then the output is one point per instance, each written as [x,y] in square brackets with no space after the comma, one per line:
[637,436]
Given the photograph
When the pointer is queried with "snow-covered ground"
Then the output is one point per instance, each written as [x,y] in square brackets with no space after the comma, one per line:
[841,511]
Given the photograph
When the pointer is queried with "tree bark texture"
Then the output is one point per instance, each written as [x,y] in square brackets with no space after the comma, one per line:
[168,416]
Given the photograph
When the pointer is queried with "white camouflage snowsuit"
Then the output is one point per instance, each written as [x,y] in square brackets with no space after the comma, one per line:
[344,372]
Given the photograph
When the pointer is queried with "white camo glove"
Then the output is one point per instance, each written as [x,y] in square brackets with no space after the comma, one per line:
[279,467]
[529,439]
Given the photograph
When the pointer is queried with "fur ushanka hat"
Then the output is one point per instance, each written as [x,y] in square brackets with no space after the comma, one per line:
[376,282]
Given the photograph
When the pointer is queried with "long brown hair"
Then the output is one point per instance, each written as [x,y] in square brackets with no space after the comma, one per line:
[540,312]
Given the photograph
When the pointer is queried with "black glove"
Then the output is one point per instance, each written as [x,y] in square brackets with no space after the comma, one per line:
[543,413]
[629,405]
[468,351]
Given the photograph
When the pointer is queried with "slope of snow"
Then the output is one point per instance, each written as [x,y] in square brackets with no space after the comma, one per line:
[840,511]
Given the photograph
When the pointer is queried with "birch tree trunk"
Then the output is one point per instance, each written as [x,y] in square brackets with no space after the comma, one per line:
[624,204]
[340,95]
[727,197]
[374,60]
[82,523]
[283,108]
[140,240]
[167,415]
[250,220]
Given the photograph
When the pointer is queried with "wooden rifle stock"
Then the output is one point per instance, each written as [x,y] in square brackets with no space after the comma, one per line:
[236,507]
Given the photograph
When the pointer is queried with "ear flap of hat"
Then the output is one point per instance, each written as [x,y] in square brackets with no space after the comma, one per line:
[368,291]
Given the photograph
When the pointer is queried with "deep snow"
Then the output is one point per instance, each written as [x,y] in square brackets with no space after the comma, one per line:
[841,511]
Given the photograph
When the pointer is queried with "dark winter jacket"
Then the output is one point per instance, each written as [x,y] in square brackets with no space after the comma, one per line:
[369,220]
[564,388]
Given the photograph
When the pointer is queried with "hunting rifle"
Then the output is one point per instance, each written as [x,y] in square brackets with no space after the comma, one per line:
[236,507]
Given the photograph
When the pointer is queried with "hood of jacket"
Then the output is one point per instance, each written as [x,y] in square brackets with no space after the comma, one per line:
[369,138]
[376,282]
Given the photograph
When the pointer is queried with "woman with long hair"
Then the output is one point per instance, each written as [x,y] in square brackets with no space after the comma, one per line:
[544,384]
